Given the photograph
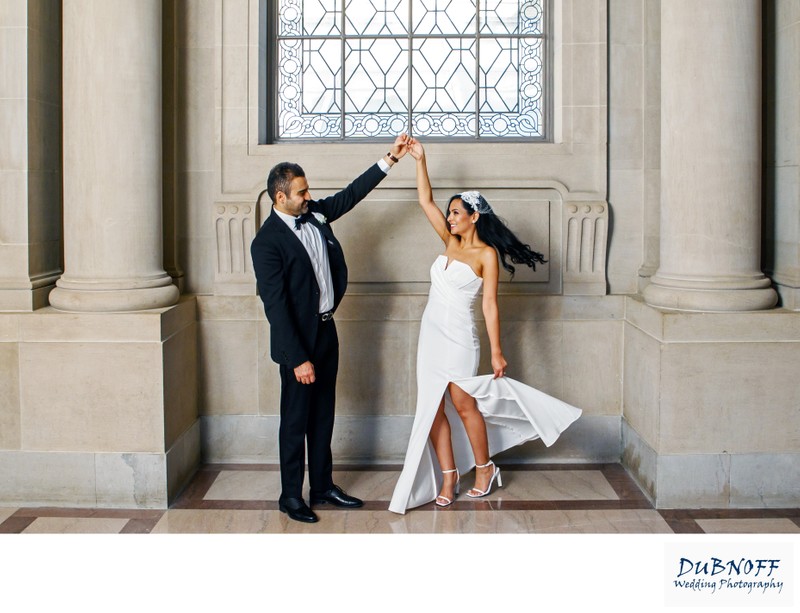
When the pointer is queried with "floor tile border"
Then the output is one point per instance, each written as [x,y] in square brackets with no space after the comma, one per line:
[140,521]
[684,521]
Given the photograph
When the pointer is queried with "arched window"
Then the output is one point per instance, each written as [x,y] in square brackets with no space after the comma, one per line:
[361,69]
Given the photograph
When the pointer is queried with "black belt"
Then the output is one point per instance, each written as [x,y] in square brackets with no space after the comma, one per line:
[326,315]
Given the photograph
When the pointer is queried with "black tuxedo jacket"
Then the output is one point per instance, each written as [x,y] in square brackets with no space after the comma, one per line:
[285,277]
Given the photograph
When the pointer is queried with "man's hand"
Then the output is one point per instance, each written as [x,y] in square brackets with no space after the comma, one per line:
[305,373]
[400,146]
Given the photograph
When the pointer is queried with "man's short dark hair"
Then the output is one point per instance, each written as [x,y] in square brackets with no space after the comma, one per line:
[280,178]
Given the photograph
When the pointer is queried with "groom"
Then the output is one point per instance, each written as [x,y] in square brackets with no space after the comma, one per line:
[302,276]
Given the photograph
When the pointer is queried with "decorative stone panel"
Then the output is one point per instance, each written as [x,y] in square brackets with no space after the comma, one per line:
[585,244]
[234,230]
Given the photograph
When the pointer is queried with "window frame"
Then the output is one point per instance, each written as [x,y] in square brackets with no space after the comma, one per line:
[268,129]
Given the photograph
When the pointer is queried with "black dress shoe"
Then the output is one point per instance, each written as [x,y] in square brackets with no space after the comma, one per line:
[297,510]
[338,498]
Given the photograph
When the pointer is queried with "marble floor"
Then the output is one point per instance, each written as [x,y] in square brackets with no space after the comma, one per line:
[535,499]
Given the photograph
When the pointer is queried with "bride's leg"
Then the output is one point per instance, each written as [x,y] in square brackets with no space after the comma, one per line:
[476,431]
[443,446]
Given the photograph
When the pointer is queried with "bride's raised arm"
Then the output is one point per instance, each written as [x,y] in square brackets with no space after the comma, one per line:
[425,193]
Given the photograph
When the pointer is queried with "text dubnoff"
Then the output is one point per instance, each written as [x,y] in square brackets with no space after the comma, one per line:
[729,574]
[718,574]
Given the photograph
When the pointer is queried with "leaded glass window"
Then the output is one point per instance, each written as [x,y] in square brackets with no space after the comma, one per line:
[358,69]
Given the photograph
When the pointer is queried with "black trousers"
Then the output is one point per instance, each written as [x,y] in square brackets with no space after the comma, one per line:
[307,413]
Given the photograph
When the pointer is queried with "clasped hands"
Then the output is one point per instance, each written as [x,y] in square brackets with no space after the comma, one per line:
[407,144]
[400,146]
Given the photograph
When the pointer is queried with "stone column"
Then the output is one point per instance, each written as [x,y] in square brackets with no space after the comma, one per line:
[112,73]
[710,252]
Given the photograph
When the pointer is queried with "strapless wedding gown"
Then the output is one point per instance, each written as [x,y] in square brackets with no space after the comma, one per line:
[448,350]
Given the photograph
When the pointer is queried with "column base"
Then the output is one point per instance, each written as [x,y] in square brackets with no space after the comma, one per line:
[712,480]
[116,300]
[710,296]
[98,409]
[27,293]
[109,480]
[710,406]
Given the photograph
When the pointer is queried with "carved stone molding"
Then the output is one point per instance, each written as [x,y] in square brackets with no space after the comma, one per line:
[234,230]
[585,245]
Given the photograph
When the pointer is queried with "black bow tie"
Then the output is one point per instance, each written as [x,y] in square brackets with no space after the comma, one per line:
[299,221]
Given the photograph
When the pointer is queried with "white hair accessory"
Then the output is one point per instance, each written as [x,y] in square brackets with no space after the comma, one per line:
[477,202]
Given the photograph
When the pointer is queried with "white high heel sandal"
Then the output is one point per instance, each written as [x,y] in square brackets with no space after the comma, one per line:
[447,502]
[495,475]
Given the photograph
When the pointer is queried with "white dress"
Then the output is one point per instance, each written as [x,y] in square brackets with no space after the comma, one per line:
[448,350]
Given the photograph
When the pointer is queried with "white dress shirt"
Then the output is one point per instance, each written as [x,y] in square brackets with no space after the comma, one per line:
[314,244]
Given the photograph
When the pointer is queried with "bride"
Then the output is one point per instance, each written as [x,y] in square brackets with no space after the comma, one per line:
[462,420]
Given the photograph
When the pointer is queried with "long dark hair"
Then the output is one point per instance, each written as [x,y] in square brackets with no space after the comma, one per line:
[494,231]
